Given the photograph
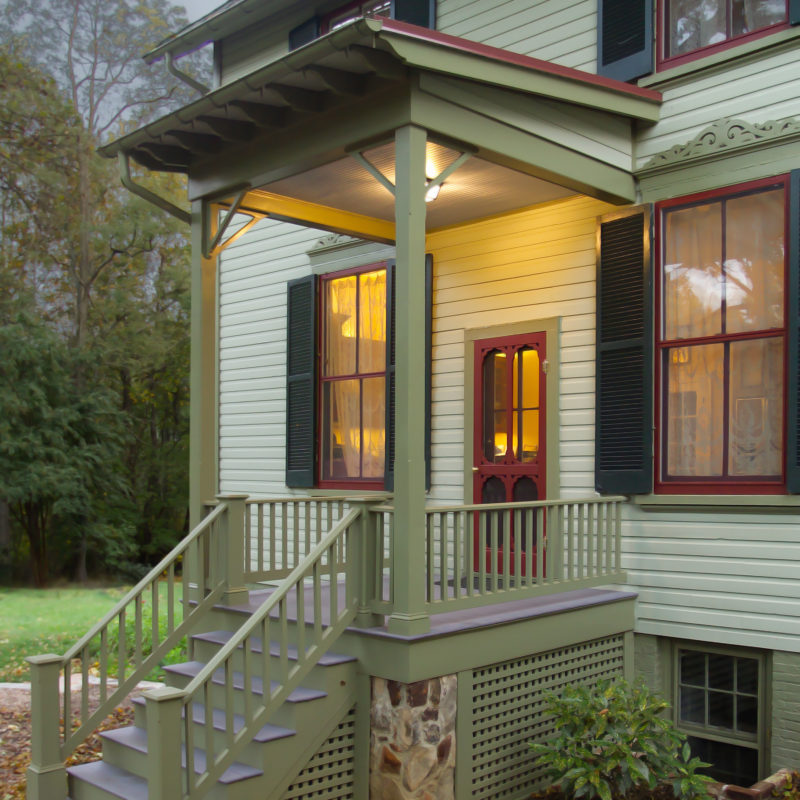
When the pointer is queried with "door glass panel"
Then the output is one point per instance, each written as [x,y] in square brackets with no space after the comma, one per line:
[526,404]
[495,405]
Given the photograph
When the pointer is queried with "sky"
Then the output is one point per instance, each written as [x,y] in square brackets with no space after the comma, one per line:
[197,8]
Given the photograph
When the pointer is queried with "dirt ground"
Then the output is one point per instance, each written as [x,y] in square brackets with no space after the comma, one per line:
[15,737]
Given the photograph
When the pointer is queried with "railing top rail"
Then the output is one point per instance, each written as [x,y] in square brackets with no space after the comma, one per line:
[329,498]
[255,619]
[526,504]
[143,583]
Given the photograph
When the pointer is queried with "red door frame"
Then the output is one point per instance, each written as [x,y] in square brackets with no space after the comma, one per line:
[510,469]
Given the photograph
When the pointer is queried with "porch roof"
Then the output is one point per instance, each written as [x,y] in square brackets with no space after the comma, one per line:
[537,129]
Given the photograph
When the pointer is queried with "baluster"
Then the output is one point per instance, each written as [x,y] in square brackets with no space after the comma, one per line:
[296,533]
[154,603]
[188,739]
[284,640]
[334,585]
[103,664]
[590,567]
[247,549]
[581,532]
[84,684]
[319,509]
[67,699]
[429,556]
[272,536]
[519,532]
[495,550]
[600,542]
[137,627]
[266,660]
[307,521]
[247,688]
[186,609]
[122,646]
[284,536]
[247,673]
[317,583]
[570,511]
[530,541]
[506,518]
[482,522]
[469,550]
[300,627]
[609,536]
[618,535]
[208,721]
[456,554]
[444,549]
[171,597]
[259,509]
[540,547]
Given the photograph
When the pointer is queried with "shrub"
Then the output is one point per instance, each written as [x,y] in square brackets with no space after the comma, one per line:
[611,738]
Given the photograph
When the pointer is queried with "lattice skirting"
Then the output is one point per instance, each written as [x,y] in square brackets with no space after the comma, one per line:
[508,711]
[329,773]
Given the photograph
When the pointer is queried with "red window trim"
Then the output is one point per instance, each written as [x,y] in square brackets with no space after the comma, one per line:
[360,484]
[704,485]
[663,61]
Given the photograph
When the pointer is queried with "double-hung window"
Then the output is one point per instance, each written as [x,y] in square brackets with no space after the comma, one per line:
[698,343]
[353,377]
[721,340]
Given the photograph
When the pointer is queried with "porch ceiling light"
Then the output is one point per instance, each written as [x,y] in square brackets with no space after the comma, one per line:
[432,193]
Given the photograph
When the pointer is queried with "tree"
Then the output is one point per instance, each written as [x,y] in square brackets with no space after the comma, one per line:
[55,441]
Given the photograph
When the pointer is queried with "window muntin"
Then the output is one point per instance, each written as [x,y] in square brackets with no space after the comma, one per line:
[722,338]
[353,377]
[718,696]
[695,27]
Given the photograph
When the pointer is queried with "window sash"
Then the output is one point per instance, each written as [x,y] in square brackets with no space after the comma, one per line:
[711,429]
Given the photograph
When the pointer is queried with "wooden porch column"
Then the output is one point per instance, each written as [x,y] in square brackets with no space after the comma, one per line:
[203,375]
[408,549]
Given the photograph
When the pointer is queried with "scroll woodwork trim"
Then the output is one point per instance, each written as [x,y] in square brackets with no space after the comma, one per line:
[724,136]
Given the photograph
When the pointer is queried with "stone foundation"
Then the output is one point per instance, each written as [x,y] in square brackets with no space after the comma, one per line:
[413,739]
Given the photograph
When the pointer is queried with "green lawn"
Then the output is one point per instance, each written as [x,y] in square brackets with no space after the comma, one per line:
[35,621]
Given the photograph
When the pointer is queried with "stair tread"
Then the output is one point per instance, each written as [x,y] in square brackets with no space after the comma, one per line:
[191,668]
[114,780]
[136,739]
[222,637]
[267,733]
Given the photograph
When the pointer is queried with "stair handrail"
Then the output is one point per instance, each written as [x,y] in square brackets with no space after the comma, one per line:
[49,746]
[334,545]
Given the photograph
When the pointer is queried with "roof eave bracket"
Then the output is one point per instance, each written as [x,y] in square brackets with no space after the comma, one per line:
[151,197]
[200,88]
[216,244]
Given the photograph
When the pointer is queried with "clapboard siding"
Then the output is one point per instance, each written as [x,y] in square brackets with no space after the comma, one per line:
[756,91]
[550,29]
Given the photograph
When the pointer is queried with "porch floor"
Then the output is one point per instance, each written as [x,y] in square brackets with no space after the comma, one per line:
[450,622]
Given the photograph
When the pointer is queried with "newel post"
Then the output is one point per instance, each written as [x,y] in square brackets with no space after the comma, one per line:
[367,569]
[232,548]
[46,776]
[164,773]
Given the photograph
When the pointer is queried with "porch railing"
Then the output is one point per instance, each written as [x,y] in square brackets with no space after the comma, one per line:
[95,653]
[477,555]
[257,660]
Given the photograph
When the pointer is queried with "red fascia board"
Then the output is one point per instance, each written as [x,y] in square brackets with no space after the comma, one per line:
[507,57]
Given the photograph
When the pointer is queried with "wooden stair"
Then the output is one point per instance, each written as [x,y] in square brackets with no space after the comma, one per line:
[275,755]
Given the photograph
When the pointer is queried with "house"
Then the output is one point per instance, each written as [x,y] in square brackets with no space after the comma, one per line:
[495,382]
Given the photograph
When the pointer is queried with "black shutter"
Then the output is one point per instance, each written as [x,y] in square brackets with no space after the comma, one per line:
[794,12]
[417,12]
[624,38]
[624,401]
[390,370]
[304,33]
[793,374]
[301,338]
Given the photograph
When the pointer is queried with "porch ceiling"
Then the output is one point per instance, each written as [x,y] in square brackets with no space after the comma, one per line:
[287,129]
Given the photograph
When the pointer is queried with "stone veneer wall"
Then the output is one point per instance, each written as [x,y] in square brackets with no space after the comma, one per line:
[412,739]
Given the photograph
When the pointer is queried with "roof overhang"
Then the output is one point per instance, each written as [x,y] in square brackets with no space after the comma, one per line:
[349,90]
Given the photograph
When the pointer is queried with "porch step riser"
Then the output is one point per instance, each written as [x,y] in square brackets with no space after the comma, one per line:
[288,715]
[255,754]
[323,678]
